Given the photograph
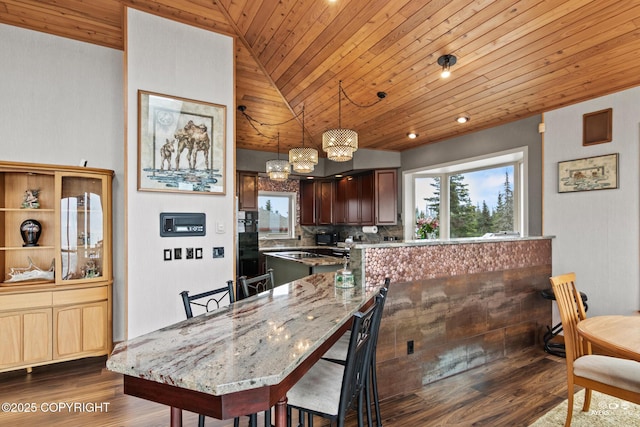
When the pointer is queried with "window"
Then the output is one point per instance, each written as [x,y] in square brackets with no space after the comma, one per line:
[469,198]
[276,214]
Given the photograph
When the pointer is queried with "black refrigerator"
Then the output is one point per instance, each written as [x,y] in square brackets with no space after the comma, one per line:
[248,255]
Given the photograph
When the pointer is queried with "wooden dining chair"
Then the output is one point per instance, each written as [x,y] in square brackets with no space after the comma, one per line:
[330,389]
[338,354]
[254,285]
[610,375]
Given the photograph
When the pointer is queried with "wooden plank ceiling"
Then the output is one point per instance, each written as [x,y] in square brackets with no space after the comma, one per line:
[515,58]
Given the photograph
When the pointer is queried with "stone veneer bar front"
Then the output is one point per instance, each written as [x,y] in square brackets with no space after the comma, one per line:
[463,303]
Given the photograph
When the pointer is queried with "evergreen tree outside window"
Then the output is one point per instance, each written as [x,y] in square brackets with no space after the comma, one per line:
[276,214]
[479,200]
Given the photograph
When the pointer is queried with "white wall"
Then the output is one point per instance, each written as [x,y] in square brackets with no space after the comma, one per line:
[170,58]
[597,232]
[61,101]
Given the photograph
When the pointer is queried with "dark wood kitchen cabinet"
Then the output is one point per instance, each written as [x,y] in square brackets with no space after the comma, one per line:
[316,202]
[386,197]
[307,203]
[354,200]
[325,195]
[247,191]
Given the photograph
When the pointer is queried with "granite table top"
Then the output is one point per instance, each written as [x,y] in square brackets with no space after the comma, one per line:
[252,343]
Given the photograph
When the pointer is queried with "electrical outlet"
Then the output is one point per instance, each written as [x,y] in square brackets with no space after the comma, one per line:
[189,253]
[218,252]
[177,253]
[410,347]
[167,254]
[198,253]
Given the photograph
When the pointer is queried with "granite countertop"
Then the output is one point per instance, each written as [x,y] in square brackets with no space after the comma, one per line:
[460,241]
[253,343]
[313,261]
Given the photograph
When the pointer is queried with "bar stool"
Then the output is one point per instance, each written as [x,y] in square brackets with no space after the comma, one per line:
[557,349]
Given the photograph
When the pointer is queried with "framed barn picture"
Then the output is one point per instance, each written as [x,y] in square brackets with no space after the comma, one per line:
[181,144]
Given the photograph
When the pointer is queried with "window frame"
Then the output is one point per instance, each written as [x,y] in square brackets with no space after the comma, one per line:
[291,196]
[518,157]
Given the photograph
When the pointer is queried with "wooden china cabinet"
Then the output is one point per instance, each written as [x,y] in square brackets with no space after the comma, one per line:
[56,261]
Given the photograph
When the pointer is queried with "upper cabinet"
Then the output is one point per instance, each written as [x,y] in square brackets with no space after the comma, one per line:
[386,193]
[364,199]
[355,200]
[247,191]
[317,199]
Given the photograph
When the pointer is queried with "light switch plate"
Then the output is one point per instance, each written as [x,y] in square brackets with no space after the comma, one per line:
[218,252]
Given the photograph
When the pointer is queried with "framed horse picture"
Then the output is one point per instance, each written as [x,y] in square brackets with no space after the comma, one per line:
[181,144]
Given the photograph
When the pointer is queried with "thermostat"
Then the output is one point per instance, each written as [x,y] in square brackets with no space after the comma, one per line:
[182,224]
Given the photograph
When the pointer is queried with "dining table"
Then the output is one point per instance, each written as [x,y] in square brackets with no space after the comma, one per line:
[241,358]
[615,334]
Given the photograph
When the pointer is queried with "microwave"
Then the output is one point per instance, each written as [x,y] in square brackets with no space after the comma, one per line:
[326,239]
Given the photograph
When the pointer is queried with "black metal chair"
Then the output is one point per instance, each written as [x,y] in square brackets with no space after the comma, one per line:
[247,287]
[551,347]
[338,354]
[220,294]
[215,296]
[330,389]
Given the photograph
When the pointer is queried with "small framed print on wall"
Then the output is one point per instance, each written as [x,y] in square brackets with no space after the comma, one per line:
[181,145]
[597,127]
[593,173]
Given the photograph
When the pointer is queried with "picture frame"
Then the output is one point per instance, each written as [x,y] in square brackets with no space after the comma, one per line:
[181,144]
[591,173]
[597,127]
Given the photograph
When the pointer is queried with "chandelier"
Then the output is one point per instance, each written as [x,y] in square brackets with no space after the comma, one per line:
[340,143]
[303,159]
[278,170]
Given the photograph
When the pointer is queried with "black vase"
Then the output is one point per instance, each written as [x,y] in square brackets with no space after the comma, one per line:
[30,230]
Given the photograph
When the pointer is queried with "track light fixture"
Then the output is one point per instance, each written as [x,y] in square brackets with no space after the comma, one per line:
[446,61]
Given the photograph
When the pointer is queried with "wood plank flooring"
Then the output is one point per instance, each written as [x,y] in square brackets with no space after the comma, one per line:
[514,391]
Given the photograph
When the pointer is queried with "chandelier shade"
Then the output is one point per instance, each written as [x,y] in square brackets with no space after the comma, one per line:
[303,159]
[278,170]
[340,144]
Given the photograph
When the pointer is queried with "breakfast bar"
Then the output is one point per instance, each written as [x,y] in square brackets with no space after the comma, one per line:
[454,305]
[242,358]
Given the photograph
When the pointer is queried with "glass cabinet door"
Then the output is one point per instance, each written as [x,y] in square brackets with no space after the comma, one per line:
[82,227]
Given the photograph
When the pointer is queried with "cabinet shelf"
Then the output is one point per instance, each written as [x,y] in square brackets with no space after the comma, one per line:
[25,210]
[25,248]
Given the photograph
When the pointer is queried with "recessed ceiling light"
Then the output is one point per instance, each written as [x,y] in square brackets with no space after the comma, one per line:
[412,135]
[462,119]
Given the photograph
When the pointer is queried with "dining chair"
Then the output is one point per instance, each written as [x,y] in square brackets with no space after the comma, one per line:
[330,389]
[246,287]
[251,286]
[338,354]
[214,296]
[610,375]
[210,300]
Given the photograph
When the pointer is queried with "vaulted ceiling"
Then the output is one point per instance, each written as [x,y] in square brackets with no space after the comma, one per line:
[514,59]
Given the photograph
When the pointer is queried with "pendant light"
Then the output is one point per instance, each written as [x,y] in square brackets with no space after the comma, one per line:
[339,143]
[278,170]
[303,159]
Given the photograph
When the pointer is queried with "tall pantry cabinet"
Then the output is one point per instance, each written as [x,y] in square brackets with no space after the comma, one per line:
[56,264]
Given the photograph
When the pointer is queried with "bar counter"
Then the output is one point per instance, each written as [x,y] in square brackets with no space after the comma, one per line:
[462,303]
[241,358]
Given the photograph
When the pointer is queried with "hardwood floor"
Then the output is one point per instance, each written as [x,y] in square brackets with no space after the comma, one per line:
[512,392]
